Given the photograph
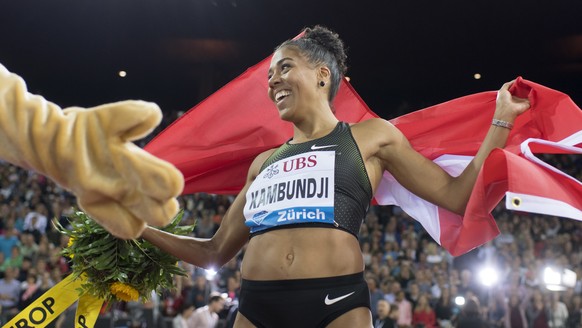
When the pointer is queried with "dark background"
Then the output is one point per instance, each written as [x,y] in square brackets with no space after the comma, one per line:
[403,54]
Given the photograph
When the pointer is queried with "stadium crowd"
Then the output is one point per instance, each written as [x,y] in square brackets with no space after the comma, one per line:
[413,281]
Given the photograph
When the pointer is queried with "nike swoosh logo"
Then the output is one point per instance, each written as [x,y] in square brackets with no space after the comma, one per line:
[314,147]
[329,301]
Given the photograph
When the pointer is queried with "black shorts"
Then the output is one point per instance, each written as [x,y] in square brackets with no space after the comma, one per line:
[305,303]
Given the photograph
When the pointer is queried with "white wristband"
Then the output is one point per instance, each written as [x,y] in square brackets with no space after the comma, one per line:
[502,124]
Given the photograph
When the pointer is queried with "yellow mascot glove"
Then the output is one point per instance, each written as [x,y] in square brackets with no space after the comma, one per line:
[89,152]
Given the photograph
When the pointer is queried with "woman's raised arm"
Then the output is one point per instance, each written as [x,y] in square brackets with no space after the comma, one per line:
[426,179]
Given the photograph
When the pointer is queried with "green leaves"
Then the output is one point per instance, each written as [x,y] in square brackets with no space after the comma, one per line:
[104,259]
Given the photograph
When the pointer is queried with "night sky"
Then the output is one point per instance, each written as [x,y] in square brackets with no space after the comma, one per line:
[403,55]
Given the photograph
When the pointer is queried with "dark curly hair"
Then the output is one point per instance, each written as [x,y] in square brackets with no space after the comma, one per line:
[322,46]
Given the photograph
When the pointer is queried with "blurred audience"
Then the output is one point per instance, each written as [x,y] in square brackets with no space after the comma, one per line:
[413,282]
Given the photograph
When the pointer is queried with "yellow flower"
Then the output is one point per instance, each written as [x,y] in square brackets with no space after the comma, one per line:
[124,292]
[69,244]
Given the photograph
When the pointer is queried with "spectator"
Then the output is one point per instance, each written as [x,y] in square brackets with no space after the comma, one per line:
[220,211]
[30,291]
[375,293]
[423,315]
[394,314]
[366,254]
[25,269]
[9,294]
[207,316]
[230,269]
[467,284]
[405,275]
[233,288]
[174,298]
[413,294]
[231,315]
[515,311]
[185,312]
[3,264]
[575,310]
[57,261]
[496,310]
[395,288]
[404,310]
[28,246]
[35,222]
[505,235]
[391,234]
[558,312]
[434,254]
[205,227]
[41,269]
[15,260]
[537,313]
[423,280]
[7,240]
[391,250]
[199,294]
[382,317]
[470,316]
[437,288]
[486,253]
[444,309]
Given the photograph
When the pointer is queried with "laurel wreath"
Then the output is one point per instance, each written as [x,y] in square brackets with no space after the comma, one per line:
[116,269]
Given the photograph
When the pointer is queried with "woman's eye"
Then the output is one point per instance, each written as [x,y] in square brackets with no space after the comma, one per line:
[284,67]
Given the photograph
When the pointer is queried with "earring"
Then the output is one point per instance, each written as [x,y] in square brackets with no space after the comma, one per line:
[321,84]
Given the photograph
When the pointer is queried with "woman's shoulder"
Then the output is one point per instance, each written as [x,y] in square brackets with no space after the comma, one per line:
[375,133]
[376,122]
[264,155]
[378,127]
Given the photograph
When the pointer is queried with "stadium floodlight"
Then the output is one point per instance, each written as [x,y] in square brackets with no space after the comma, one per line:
[460,300]
[559,280]
[488,276]
[569,278]
[210,273]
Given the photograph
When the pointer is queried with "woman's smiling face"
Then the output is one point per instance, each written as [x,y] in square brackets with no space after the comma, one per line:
[293,83]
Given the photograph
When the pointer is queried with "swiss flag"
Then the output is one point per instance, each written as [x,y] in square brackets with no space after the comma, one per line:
[214,143]
[451,133]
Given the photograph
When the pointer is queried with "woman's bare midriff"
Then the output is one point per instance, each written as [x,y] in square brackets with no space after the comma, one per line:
[299,253]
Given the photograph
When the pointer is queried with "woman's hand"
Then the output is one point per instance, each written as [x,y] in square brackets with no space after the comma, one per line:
[507,106]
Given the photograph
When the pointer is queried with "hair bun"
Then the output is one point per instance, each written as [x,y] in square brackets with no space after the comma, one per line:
[330,41]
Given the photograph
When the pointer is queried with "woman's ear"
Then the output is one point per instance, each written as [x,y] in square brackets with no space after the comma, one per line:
[324,74]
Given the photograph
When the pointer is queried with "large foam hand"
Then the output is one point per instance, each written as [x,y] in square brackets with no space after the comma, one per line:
[89,152]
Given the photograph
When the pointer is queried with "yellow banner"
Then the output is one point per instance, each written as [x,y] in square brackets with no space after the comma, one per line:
[87,311]
[52,303]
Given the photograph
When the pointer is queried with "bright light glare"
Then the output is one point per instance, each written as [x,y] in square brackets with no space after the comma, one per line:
[210,273]
[569,278]
[488,277]
[556,288]
[225,296]
[460,300]
[551,276]
[556,280]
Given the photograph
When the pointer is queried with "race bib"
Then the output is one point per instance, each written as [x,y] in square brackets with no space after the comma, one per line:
[297,189]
